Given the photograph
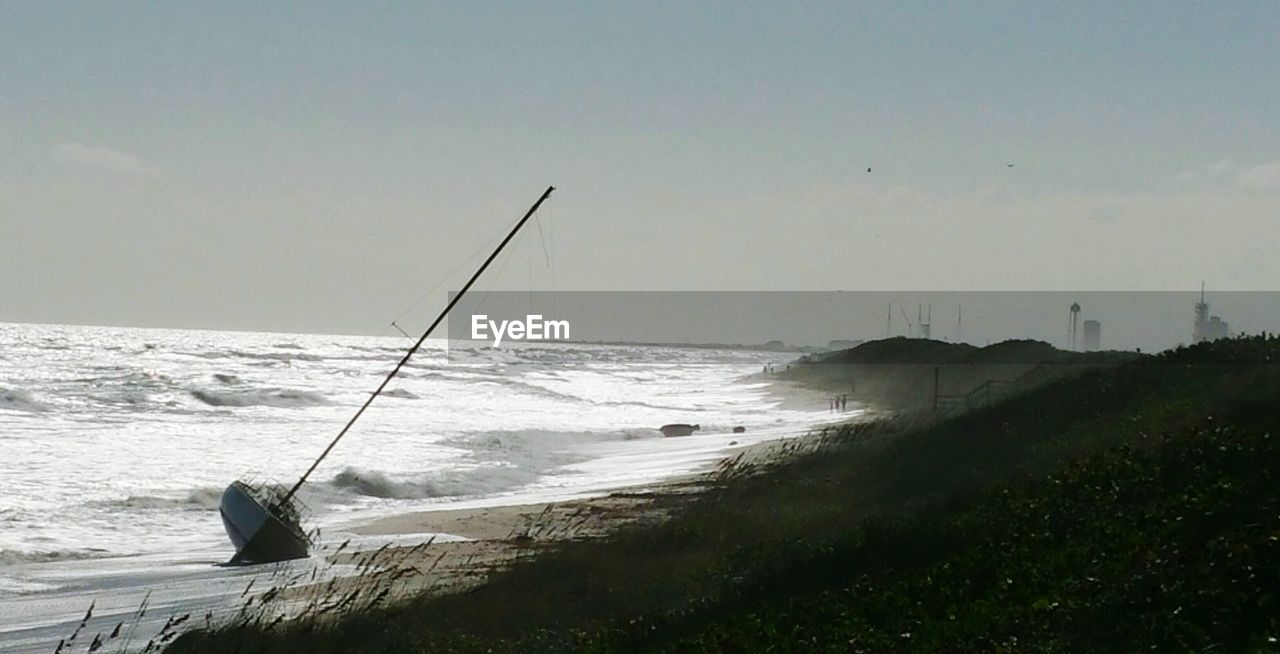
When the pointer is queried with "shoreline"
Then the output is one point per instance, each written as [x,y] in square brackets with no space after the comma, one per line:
[497,521]
[462,546]
[449,549]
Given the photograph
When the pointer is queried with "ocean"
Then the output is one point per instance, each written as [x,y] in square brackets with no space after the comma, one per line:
[115,444]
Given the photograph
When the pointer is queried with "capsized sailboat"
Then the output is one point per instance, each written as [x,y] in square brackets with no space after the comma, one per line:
[264,521]
[262,527]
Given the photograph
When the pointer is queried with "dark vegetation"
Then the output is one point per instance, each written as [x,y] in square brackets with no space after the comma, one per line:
[1129,508]
[901,372]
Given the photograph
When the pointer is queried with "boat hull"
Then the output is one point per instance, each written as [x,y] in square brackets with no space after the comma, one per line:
[259,535]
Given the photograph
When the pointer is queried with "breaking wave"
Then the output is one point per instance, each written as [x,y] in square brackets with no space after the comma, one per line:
[512,459]
[200,499]
[14,557]
[537,391]
[124,397]
[20,401]
[540,447]
[401,393]
[281,357]
[548,393]
[272,397]
[453,483]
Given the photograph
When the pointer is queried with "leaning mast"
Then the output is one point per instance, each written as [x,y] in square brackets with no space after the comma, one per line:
[422,339]
[264,525]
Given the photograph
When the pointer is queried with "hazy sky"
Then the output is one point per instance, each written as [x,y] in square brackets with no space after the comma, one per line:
[319,167]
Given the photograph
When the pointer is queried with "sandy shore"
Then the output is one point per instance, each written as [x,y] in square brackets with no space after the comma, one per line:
[484,540]
[492,539]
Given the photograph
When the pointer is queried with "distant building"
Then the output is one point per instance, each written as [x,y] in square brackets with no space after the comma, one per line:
[1092,336]
[1214,329]
[1207,327]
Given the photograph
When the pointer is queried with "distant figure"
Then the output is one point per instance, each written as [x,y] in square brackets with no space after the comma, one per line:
[868,169]
[844,402]
[739,430]
[678,429]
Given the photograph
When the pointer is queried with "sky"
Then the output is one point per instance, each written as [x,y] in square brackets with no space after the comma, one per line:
[328,167]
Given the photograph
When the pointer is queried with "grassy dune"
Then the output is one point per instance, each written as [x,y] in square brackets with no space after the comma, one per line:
[900,373]
[1120,509]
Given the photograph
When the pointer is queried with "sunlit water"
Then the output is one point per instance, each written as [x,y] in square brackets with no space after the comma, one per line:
[115,444]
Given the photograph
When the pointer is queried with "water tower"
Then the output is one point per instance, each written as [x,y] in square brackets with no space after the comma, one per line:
[1075,322]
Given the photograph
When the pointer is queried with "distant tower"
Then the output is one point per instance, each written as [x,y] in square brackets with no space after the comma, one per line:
[1202,318]
[1207,327]
[1075,322]
[888,323]
[926,322]
[959,324]
[1092,336]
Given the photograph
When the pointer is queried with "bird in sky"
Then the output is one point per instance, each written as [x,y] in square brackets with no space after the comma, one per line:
[1009,165]
[868,169]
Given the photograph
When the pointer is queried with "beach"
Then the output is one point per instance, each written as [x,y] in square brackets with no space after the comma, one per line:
[461,547]
[122,439]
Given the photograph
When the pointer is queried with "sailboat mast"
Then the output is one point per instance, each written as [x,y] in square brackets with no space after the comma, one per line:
[405,359]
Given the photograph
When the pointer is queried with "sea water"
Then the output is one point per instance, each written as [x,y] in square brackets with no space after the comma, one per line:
[115,444]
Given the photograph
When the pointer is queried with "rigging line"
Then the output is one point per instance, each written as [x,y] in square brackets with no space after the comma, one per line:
[545,252]
[550,244]
[407,355]
[497,276]
[443,280]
